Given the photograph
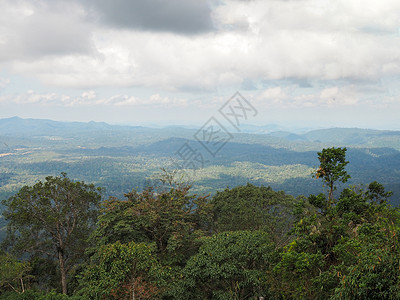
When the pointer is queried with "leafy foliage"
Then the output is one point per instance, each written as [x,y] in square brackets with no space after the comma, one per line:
[170,217]
[54,219]
[13,273]
[331,169]
[253,208]
[164,242]
[123,271]
[229,265]
[345,251]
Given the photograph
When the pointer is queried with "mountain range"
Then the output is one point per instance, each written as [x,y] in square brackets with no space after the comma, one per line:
[121,158]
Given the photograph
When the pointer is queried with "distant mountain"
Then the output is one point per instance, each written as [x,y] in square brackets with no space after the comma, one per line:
[97,134]
[91,134]
[289,136]
[246,128]
[346,137]
[351,136]
[272,128]
[16,126]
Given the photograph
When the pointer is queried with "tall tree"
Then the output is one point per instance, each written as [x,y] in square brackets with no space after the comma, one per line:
[332,168]
[52,218]
[349,250]
[170,217]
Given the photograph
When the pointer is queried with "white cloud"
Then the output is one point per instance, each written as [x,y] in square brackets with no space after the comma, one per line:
[292,97]
[260,40]
[89,95]
[329,93]
[89,98]
[286,54]
[30,97]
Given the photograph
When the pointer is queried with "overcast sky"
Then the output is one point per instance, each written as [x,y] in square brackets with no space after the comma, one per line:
[300,63]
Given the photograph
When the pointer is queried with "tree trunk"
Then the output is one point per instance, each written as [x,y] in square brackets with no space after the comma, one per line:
[330,196]
[133,287]
[63,272]
[22,285]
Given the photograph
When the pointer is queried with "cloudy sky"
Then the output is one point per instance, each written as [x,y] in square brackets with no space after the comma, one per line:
[300,63]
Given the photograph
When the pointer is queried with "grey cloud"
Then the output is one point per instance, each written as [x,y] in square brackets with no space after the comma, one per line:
[42,37]
[378,30]
[49,29]
[302,82]
[179,16]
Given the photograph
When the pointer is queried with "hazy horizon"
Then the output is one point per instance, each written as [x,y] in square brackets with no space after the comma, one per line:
[245,127]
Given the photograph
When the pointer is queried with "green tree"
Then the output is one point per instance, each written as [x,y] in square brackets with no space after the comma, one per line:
[371,263]
[52,218]
[348,250]
[229,265]
[123,271]
[171,217]
[376,192]
[250,207]
[13,273]
[292,277]
[345,248]
[332,168]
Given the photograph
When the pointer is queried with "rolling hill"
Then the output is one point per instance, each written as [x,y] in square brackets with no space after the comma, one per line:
[120,158]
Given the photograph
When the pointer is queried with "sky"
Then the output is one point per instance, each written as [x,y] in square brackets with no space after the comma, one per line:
[298,63]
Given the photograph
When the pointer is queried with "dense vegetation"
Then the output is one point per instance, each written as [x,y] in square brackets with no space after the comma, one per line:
[166,242]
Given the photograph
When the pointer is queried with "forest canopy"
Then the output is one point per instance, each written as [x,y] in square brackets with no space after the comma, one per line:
[166,242]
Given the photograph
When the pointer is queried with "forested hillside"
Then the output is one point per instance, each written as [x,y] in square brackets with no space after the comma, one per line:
[66,241]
